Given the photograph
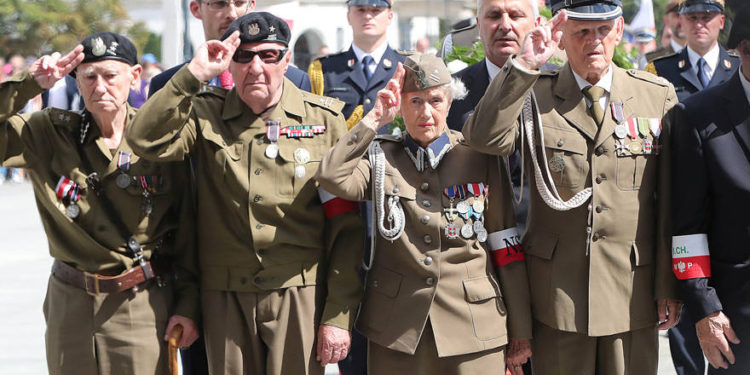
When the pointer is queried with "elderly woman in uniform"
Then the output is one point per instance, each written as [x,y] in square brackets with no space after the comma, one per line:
[118,227]
[447,289]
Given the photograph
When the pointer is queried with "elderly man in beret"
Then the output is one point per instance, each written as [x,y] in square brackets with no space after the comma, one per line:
[119,227]
[278,255]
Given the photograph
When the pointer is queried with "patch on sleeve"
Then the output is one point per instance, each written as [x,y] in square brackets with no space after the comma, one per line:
[334,206]
[505,247]
[690,256]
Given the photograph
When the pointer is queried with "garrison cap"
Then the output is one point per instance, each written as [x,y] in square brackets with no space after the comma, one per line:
[372,3]
[589,10]
[108,46]
[740,28]
[700,6]
[260,27]
[424,71]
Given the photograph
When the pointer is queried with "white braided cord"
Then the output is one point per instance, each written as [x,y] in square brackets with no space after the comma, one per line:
[396,217]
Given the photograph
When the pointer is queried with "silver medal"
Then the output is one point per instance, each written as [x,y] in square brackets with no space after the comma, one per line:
[123,181]
[451,231]
[299,171]
[301,156]
[478,206]
[556,164]
[463,207]
[482,236]
[467,231]
[72,211]
[478,226]
[272,151]
[621,131]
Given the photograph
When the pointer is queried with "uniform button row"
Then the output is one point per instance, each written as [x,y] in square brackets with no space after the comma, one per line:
[425,219]
[258,171]
[430,281]
[600,179]
[426,203]
[355,137]
[257,198]
[427,239]
[599,151]
[425,186]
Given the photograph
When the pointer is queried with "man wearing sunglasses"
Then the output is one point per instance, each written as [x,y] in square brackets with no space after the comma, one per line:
[216,15]
[279,256]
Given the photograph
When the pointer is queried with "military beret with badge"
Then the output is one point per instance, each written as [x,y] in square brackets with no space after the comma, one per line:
[108,46]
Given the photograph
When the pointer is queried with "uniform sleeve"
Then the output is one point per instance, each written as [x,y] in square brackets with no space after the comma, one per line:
[22,137]
[691,205]
[345,171]
[493,127]
[163,128]
[345,244]
[506,254]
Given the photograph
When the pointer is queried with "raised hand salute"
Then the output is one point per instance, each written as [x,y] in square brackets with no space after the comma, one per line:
[51,68]
[388,102]
[213,57]
[542,42]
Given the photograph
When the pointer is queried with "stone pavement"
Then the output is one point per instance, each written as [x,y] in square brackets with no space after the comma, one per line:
[23,276]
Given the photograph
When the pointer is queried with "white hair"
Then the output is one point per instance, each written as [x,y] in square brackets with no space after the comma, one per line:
[532,4]
[456,90]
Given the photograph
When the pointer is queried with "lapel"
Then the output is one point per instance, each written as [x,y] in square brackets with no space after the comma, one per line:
[738,109]
[619,94]
[356,74]
[384,71]
[571,105]
[722,72]
[687,72]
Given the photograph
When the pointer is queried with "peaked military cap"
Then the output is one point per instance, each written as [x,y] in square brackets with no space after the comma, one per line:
[260,27]
[108,46]
[589,10]
[424,71]
[372,3]
[700,6]
[740,28]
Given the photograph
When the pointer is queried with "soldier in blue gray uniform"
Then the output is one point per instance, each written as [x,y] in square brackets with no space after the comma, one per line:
[356,75]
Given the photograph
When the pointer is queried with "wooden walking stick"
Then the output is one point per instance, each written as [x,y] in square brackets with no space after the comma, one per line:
[174,340]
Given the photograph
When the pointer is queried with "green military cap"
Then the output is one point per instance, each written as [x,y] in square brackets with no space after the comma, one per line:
[424,71]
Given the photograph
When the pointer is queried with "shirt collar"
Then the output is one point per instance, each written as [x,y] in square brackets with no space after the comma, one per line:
[435,151]
[605,82]
[745,85]
[676,47]
[377,54]
[711,57]
[492,69]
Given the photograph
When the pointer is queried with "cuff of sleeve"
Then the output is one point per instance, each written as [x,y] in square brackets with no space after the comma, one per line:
[340,316]
[188,304]
[361,133]
[185,82]
[515,66]
[702,303]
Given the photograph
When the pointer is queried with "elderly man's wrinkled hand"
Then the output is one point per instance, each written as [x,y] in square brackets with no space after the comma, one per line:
[541,42]
[333,344]
[517,353]
[49,69]
[713,332]
[213,57]
[669,311]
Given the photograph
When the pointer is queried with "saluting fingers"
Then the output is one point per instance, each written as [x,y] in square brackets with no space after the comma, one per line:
[70,61]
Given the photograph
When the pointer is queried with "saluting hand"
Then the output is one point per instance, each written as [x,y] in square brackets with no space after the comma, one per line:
[51,68]
[213,57]
[713,332]
[388,101]
[541,42]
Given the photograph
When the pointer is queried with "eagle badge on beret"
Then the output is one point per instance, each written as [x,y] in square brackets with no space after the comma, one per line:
[253,29]
[97,47]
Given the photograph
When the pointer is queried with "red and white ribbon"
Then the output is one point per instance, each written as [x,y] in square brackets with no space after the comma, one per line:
[334,205]
[63,187]
[690,256]
[505,246]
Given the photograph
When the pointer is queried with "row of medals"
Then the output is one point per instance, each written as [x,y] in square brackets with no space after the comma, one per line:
[301,155]
[467,230]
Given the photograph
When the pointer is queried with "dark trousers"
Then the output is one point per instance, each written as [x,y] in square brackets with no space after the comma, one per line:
[687,354]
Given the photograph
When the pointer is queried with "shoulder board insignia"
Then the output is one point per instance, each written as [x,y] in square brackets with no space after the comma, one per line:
[389,137]
[332,104]
[62,117]
[213,90]
[405,52]
[315,71]
[648,77]
[733,54]
[651,68]
[665,57]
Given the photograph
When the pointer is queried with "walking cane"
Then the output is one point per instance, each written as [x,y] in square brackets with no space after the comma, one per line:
[174,340]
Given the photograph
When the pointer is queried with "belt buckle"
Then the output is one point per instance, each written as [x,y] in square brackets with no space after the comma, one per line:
[90,280]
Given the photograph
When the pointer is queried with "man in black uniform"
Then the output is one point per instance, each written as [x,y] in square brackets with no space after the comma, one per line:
[711,198]
[704,63]
[356,75]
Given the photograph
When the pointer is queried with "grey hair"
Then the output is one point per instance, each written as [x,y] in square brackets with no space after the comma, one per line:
[456,90]
[532,3]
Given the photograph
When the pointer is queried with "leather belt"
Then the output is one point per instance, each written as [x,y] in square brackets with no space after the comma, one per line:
[95,284]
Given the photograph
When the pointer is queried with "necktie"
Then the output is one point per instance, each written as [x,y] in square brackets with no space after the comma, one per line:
[702,74]
[225,80]
[594,93]
[366,61]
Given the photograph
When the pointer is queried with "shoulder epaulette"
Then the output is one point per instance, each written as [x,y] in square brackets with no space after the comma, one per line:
[331,104]
[389,138]
[61,117]
[733,54]
[665,57]
[213,90]
[651,68]
[317,81]
[648,77]
[464,28]
[405,52]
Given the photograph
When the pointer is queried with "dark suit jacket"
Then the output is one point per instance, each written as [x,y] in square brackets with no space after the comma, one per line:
[711,195]
[685,79]
[476,78]
[298,77]
[344,78]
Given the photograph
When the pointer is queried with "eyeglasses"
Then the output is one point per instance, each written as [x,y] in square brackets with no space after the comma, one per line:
[223,4]
[268,56]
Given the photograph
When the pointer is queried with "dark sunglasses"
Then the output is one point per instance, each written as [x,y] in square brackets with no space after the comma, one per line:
[268,56]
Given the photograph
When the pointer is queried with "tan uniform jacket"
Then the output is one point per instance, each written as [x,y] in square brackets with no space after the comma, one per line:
[612,287]
[261,223]
[423,274]
[45,142]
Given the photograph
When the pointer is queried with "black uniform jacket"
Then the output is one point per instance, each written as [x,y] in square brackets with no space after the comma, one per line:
[677,69]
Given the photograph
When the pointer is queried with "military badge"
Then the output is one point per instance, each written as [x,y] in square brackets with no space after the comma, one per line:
[635,147]
[621,131]
[97,47]
[557,164]
[482,236]
[253,29]
[451,231]
[479,226]
[647,146]
[727,64]
[350,63]
[387,63]
[271,29]
[123,181]
[463,207]
[681,64]
[467,231]
[301,156]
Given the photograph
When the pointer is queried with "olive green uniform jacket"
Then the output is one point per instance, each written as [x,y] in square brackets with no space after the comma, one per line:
[261,223]
[46,143]
[423,274]
[599,268]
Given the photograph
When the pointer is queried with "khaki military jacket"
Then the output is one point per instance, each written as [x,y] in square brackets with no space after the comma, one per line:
[424,277]
[599,268]
[46,143]
[261,223]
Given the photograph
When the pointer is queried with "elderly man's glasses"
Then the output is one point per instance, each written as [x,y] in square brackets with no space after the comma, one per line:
[223,4]
[268,56]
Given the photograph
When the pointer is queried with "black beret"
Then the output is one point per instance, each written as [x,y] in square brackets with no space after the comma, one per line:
[109,46]
[260,27]
[589,10]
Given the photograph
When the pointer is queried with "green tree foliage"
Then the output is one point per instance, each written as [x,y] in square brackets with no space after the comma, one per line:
[36,27]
